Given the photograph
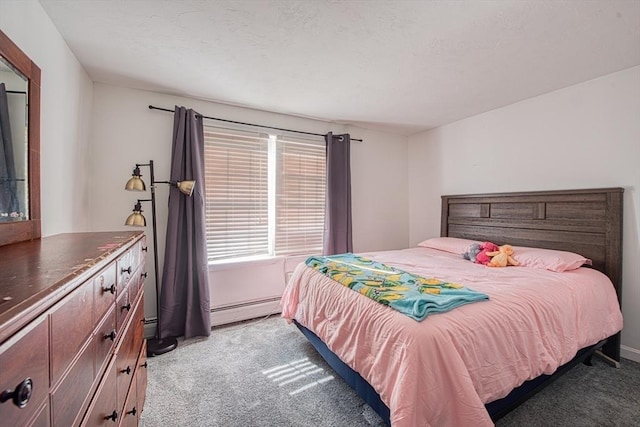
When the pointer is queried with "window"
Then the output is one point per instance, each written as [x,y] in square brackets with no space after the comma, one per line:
[265,194]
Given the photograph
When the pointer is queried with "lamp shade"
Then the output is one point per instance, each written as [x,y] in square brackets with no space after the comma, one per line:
[186,187]
[135,183]
[136,219]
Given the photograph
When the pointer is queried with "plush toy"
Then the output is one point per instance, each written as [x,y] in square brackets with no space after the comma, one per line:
[478,252]
[483,256]
[502,257]
[472,252]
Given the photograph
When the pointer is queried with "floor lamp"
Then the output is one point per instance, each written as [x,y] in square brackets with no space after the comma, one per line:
[156,345]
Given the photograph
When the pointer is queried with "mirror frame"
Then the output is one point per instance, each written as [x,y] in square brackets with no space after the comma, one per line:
[19,231]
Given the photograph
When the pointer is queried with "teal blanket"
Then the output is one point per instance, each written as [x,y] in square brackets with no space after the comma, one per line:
[415,296]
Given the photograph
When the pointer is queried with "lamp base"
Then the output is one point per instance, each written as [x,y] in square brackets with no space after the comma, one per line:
[156,347]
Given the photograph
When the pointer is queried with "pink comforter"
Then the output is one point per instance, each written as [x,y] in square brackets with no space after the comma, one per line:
[441,371]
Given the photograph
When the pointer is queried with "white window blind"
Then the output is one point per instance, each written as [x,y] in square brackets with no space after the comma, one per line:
[236,182]
[300,196]
[265,194]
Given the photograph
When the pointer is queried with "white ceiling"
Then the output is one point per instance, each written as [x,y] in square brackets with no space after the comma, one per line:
[402,66]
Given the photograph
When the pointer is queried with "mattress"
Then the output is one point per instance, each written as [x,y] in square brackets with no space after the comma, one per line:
[443,370]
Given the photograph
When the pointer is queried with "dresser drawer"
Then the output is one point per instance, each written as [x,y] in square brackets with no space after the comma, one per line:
[72,393]
[124,307]
[24,373]
[138,252]
[141,377]
[126,268]
[138,320]
[130,412]
[104,286]
[104,339]
[137,283]
[126,366]
[103,410]
[71,325]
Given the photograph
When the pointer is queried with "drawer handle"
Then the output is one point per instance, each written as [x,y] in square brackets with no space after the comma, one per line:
[125,270]
[111,335]
[133,411]
[144,365]
[111,289]
[113,417]
[144,249]
[127,371]
[127,306]
[145,274]
[20,395]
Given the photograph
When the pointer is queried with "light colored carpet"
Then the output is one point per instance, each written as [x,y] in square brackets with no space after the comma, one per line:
[253,374]
[265,373]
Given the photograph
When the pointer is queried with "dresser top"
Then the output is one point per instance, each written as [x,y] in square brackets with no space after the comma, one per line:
[35,275]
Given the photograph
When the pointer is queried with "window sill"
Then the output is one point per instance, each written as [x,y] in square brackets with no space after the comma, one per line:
[247,262]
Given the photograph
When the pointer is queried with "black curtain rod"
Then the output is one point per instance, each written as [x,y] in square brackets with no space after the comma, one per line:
[151,107]
[16,91]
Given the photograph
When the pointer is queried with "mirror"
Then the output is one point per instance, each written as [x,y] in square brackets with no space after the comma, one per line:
[14,194]
[19,145]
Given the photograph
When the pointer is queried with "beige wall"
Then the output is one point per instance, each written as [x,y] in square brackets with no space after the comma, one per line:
[66,95]
[583,136]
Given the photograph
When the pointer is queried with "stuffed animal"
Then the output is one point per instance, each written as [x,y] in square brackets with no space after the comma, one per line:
[483,256]
[502,257]
[472,252]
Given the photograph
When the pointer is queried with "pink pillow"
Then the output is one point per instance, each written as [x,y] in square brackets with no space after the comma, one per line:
[548,259]
[453,245]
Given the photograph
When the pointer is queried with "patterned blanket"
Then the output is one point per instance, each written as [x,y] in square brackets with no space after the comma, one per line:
[414,296]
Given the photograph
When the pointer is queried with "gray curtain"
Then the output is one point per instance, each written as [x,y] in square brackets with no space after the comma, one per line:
[337,220]
[184,297]
[8,187]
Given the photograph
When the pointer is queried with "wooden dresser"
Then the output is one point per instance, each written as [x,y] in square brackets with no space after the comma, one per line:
[72,348]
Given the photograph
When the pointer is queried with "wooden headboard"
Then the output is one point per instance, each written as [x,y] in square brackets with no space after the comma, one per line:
[588,222]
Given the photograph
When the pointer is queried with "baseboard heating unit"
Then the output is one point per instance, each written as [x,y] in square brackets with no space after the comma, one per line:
[245,311]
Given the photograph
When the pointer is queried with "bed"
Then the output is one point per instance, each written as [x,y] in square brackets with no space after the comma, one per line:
[444,370]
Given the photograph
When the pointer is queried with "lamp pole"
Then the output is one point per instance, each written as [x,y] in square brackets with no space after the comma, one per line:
[156,345]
